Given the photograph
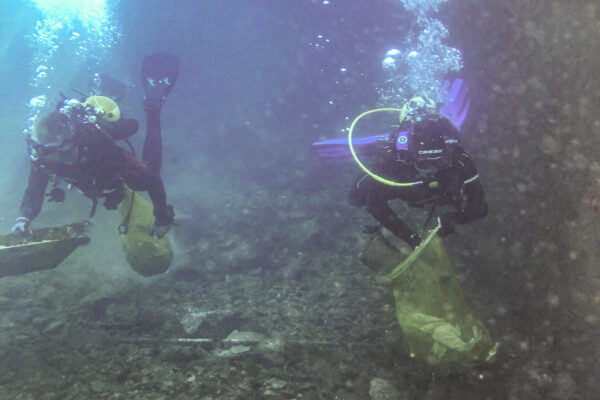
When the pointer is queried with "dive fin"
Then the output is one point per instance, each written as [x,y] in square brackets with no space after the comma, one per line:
[455,108]
[338,149]
[159,74]
[456,105]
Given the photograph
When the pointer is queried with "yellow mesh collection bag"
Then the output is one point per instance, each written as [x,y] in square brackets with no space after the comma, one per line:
[438,325]
[145,254]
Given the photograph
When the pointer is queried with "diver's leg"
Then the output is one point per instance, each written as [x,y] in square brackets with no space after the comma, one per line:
[159,74]
[152,152]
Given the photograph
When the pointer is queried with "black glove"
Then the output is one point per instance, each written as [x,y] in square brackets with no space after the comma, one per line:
[446,222]
[163,222]
[56,194]
[22,225]
[160,230]
[114,198]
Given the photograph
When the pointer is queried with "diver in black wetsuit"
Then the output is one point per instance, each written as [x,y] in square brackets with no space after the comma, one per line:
[443,172]
[76,144]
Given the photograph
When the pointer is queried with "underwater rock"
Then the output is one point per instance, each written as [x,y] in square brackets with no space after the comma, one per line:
[345,395]
[271,386]
[271,344]
[275,383]
[380,389]
[565,387]
[97,386]
[233,351]
[244,337]
[195,317]
[54,327]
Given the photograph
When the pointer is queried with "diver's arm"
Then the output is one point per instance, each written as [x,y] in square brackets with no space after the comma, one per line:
[33,199]
[383,213]
[473,205]
[163,212]
[156,191]
[476,205]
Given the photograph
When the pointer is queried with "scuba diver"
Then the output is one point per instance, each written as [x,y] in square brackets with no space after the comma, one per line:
[442,172]
[77,144]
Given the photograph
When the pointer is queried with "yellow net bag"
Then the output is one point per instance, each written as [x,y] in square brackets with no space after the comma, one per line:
[438,325]
[147,255]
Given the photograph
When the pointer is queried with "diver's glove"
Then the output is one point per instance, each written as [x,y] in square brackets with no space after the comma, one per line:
[57,195]
[446,222]
[163,222]
[114,198]
[160,230]
[22,225]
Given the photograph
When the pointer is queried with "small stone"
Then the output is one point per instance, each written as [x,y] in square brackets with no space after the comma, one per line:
[232,352]
[549,145]
[244,337]
[380,389]
[97,386]
[54,327]
[565,387]
[276,383]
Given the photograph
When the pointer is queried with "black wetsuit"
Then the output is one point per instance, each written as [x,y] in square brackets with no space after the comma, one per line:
[456,186]
[100,167]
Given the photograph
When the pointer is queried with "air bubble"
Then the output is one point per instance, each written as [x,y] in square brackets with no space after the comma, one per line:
[392,53]
[423,69]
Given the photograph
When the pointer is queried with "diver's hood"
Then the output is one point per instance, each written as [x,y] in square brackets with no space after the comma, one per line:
[46,141]
[432,138]
[65,152]
[52,130]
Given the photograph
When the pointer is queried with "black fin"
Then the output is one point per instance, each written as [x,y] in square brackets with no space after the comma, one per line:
[159,74]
